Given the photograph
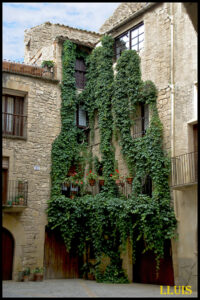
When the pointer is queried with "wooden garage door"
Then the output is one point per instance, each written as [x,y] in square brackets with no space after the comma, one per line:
[144,269]
[7,254]
[58,262]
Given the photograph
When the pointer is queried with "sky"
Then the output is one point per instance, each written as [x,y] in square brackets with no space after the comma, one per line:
[19,16]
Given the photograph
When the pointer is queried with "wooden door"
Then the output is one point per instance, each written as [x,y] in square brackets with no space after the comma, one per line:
[144,269]
[7,254]
[58,262]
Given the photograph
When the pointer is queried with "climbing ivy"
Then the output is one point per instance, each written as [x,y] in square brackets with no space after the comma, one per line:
[98,97]
[154,219]
[66,151]
[106,220]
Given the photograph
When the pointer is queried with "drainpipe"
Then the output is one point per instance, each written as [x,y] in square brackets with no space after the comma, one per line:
[172,80]
[174,195]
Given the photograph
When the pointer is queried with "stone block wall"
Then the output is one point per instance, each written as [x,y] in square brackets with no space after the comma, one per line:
[43,110]
[39,40]
[42,99]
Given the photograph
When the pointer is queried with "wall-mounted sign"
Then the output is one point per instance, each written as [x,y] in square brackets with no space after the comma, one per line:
[36,168]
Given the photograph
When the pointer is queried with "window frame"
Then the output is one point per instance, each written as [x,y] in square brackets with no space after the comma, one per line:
[17,130]
[130,38]
[77,117]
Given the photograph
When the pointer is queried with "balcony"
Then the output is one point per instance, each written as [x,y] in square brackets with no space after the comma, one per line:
[14,195]
[184,170]
[13,125]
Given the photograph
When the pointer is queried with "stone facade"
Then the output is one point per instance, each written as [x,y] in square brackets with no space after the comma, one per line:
[169,59]
[40,41]
[42,106]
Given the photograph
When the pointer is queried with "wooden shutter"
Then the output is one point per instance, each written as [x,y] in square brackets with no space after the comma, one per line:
[80,70]
[18,118]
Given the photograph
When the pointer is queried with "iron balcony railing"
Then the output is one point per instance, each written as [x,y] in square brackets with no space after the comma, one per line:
[15,192]
[13,124]
[184,169]
[139,127]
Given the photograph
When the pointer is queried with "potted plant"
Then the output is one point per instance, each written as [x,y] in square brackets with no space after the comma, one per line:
[101,180]
[89,271]
[91,177]
[16,201]
[48,64]
[26,274]
[10,202]
[76,179]
[38,274]
[116,177]
[129,179]
[21,199]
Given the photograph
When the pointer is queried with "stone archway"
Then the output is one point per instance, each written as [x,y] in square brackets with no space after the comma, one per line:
[15,227]
[7,254]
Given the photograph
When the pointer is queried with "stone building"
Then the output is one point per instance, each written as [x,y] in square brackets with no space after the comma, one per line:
[166,40]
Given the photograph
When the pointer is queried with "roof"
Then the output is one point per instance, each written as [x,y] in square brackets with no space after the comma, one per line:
[88,44]
[69,27]
[123,13]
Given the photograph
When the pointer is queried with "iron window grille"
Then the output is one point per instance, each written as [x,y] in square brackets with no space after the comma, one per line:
[141,124]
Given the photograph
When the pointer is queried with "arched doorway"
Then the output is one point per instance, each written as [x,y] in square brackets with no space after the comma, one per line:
[7,254]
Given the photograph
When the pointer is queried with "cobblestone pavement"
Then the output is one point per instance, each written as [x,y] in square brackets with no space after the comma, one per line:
[79,288]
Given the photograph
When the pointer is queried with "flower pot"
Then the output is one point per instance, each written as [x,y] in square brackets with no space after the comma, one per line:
[26,278]
[20,276]
[21,201]
[118,182]
[38,277]
[92,182]
[129,180]
[91,276]
[101,182]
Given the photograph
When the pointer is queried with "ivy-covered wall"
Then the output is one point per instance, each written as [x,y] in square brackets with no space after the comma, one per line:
[106,220]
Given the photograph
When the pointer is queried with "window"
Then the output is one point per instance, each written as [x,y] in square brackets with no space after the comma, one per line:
[80,71]
[81,117]
[132,39]
[81,121]
[141,123]
[13,118]
[147,186]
